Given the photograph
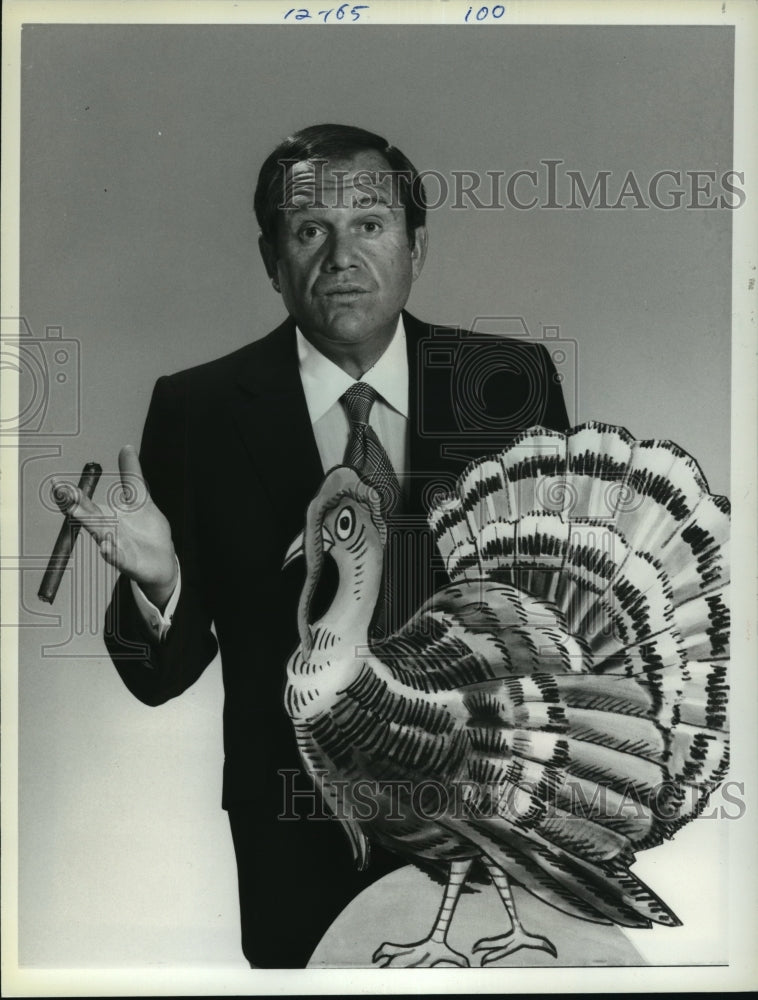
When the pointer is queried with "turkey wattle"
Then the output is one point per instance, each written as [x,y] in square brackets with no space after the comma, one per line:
[566,691]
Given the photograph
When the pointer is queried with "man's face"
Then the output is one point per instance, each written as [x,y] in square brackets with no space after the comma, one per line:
[343,259]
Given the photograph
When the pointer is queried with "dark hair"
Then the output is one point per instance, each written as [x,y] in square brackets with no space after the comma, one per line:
[328,142]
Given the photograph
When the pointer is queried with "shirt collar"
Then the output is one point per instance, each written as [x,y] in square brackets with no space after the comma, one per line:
[324,382]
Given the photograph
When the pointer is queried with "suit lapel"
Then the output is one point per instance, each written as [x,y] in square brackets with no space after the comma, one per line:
[428,412]
[272,417]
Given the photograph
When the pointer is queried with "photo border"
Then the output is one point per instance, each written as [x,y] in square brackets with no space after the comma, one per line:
[741,973]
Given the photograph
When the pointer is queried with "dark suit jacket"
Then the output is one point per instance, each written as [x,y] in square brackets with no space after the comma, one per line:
[229,456]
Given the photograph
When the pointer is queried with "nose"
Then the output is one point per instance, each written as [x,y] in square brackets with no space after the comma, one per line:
[340,251]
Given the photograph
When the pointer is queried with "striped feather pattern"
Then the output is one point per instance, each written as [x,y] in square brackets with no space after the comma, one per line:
[568,689]
[624,539]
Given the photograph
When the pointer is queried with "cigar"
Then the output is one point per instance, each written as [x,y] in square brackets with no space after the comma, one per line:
[64,544]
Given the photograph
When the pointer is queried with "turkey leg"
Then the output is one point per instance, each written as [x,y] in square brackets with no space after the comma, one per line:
[433,950]
[497,948]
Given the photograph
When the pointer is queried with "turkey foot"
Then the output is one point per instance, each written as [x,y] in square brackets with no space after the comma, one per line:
[497,948]
[500,947]
[434,950]
[418,955]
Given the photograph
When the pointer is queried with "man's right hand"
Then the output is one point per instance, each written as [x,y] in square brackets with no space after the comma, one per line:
[134,536]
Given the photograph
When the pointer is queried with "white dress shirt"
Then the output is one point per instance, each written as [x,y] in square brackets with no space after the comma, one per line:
[323,385]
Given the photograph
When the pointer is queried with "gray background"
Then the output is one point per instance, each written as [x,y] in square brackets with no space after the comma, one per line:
[140,147]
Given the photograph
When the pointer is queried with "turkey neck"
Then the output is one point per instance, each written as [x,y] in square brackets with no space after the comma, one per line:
[340,637]
[349,616]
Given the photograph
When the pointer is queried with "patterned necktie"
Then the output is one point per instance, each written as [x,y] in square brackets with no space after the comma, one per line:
[364,451]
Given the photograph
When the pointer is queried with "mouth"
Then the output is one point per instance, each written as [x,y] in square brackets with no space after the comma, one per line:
[345,292]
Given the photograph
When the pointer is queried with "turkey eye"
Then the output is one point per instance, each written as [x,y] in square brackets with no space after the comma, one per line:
[345,523]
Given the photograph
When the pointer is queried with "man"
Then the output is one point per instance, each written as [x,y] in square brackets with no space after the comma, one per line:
[232,453]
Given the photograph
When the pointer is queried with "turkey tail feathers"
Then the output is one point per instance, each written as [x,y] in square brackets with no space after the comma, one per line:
[623,545]
[650,497]
[621,536]
[603,893]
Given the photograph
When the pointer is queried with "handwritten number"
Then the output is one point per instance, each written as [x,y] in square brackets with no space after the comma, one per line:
[304,14]
[484,12]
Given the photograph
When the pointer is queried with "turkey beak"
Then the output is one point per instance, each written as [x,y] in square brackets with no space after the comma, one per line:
[296,549]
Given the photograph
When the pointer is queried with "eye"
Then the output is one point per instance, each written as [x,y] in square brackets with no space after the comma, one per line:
[309,233]
[371,227]
[345,523]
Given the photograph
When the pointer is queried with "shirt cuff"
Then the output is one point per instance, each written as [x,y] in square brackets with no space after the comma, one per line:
[158,623]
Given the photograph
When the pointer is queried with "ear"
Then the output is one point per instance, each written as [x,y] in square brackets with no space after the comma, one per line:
[268,253]
[418,250]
